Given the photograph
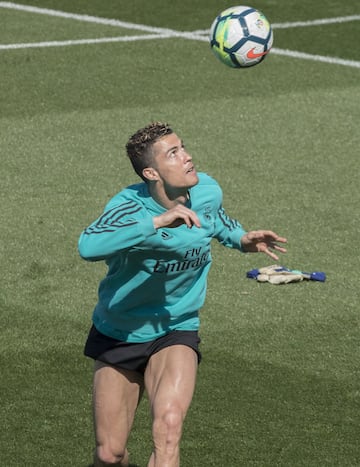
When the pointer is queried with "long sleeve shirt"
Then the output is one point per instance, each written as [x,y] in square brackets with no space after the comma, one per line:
[156,279]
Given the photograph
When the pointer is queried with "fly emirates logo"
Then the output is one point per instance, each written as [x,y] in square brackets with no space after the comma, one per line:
[193,259]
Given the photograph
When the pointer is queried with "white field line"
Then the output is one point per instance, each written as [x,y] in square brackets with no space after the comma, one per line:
[103,40]
[143,27]
[316,22]
[164,33]
[304,24]
[316,58]
[83,18]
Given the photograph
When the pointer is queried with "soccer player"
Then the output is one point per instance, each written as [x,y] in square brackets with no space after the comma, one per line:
[155,239]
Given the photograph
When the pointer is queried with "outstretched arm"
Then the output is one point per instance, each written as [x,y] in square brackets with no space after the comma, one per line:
[263,241]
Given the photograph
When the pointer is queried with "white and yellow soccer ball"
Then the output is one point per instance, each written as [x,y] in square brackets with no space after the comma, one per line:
[241,36]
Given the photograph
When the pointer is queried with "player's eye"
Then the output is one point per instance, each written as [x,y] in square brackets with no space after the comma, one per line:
[172,153]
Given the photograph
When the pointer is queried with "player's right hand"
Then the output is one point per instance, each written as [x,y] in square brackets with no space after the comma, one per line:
[176,216]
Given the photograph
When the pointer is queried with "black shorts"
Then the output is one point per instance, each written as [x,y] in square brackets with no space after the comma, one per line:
[135,356]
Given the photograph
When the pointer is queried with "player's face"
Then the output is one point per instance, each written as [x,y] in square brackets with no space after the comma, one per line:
[173,163]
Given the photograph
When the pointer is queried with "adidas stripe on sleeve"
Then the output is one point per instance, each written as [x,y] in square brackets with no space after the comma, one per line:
[118,228]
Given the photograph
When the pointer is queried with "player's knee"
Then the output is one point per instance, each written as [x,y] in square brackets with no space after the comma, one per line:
[107,455]
[168,427]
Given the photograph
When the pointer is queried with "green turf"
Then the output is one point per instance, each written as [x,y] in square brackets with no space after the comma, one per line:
[279,381]
[185,15]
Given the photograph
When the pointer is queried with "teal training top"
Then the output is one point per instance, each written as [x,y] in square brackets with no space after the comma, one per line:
[156,279]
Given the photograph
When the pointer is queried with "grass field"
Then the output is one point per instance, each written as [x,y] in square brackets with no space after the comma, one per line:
[279,382]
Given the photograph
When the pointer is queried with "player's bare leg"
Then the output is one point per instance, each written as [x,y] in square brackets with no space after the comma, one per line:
[116,397]
[170,382]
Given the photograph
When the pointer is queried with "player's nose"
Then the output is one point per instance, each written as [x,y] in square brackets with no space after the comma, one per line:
[186,156]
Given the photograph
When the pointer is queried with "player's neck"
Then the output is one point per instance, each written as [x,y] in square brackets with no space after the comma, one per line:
[169,198]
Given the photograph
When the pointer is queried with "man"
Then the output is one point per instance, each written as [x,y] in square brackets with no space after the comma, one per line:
[155,238]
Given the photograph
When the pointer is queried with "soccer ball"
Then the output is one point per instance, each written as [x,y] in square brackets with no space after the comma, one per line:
[241,36]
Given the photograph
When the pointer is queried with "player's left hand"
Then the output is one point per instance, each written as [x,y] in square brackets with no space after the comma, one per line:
[263,241]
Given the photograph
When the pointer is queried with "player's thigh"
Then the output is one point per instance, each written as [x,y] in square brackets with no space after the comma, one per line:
[116,394]
[170,378]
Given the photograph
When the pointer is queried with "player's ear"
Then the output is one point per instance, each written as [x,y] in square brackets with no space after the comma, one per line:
[150,174]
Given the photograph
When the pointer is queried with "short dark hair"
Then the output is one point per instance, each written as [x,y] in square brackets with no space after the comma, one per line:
[139,146]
